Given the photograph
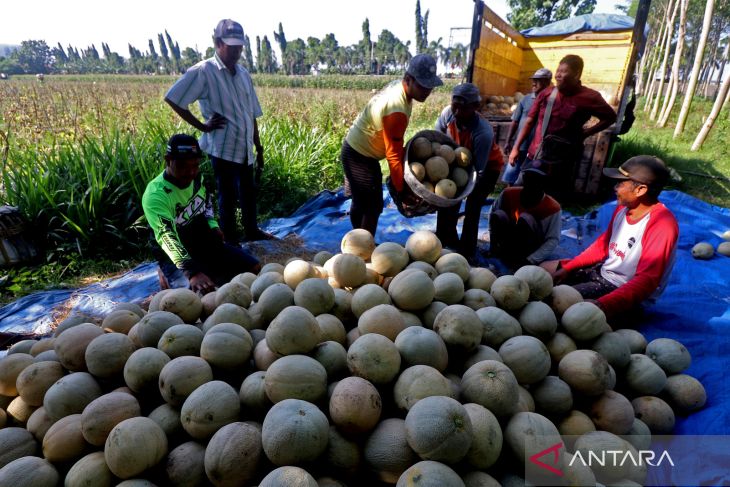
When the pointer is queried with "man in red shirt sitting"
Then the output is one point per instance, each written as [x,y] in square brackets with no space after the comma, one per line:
[572,106]
[632,259]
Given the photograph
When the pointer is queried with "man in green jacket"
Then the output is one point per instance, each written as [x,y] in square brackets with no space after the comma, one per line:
[179,210]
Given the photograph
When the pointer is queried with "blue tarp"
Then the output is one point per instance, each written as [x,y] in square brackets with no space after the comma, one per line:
[582,23]
[694,308]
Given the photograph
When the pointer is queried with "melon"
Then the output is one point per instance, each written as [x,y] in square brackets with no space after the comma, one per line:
[491,384]
[576,423]
[168,418]
[418,170]
[655,413]
[584,321]
[420,148]
[643,376]
[439,428]
[482,352]
[295,377]
[480,278]
[412,290]
[153,325]
[449,288]
[563,297]
[428,186]
[528,434]
[185,465]
[201,417]
[437,168]
[538,280]
[294,431]
[104,413]
[435,147]
[73,320]
[430,312]
[314,295]
[235,293]
[30,471]
[263,357]
[247,278]
[552,396]
[180,340]
[428,473]
[208,302]
[389,258]
[479,479]
[455,263]
[342,454]
[38,423]
[355,405]
[417,382]
[184,303]
[70,395]
[724,248]
[635,340]
[510,293]
[527,357]
[19,411]
[321,257]
[703,250]
[423,266]
[297,271]
[90,470]
[23,346]
[614,349]
[133,307]
[384,319]
[294,330]
[226,346]
[333,357]
[181,376]
[17,443]
[133,446]
[359,242]
[368,296]
[274,299]
[421,346]
[685,393]
[463,156]
[35,379]
[477,299]
[142,369]
[290,477]
[252,394]
[538,320]
[445,188]
[585,371]
[498,326]
[230,313]
[447,153]
[64,441]
[612,412]
[375,358]
[639,435]
[263,281]
[460,177]
[387,451]
[486,444]
[107,354]
[459,326]
[559,346]
[40,346]
[669,354]
[70,346]
[596,444]
[424,246]
[331,328]
[272,267]
[348,270]
[120,321]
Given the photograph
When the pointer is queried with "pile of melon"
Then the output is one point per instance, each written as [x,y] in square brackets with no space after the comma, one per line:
[440,168]
[384,364]
[501,105]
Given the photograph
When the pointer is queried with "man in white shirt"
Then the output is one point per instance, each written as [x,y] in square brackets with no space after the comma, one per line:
[230,108]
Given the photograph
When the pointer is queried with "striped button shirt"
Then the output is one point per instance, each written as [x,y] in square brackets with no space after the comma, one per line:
[233,96]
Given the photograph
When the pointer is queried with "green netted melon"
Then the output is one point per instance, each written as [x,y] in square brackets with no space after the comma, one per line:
[294,431]
[331,328]
[643,376]
[439,428]
[421,346]
[35,379]
[538,280]
[70,346]
[70,395]
[30,471]
[289,476]
[294,330]
[510,293]
[375,358]
[389,258]
[273,300]
[120,321]
[229,313]
[538,320]
[264,280]
[368,296]
[684,392]
[153,325]
[459,326]
[412,290]
[181,376]
[235,293]
[612,412]
[387,451]
[295,377]
[527,357]
[670,355]
[384,319]
[355,405]
[227,346]
[348,270]
[315,295]
[486,444]
[104,413]
[585,371]
[417,382]
[480,278]
[552,396]
[201,417]
[455,263]
[498,326]
[428,473]
[133,446]
[184,303]
[563,297]
[449,288]
[584,321]
[491,384]
[185,464]
[142,369]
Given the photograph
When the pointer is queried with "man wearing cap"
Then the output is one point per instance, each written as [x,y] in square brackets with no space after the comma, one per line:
[190,249]
[540,80]
[377,133]
[524,224]
[571,106]
[631,261]
[229,106]
[461,121]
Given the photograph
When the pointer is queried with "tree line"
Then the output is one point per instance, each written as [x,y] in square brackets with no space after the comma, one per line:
[384,55]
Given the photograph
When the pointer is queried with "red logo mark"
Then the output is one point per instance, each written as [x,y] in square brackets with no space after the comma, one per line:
[554,449]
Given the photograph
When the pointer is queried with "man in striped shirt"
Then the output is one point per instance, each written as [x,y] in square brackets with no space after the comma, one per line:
[230,108]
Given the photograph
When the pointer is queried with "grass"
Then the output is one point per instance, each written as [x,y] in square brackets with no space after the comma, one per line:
[77,153]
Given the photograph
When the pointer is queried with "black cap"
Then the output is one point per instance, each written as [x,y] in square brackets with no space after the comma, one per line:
[230,32]
[649,170]
[183,146]
[423,68]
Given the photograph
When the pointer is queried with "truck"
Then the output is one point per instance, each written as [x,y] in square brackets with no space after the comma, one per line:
[501,61]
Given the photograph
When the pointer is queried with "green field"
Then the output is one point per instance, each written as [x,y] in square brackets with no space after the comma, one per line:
[77,153]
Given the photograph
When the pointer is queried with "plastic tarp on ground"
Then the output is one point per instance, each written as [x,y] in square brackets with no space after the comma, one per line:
[582,23]
[694,308]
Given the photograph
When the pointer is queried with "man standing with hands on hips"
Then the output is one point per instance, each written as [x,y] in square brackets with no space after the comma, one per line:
[230,108]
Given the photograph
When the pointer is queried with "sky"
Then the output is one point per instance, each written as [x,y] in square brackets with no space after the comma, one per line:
[83,22]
